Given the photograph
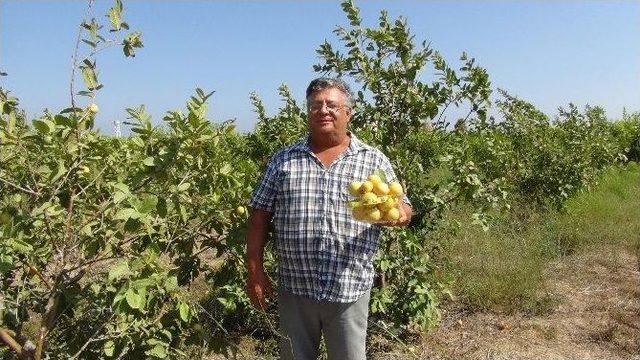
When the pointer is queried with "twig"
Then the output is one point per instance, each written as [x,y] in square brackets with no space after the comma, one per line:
[91,339]
[28,191]
[91,262]
[10,341]
[74,58]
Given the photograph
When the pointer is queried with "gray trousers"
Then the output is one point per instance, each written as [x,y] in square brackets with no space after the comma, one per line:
[343,325]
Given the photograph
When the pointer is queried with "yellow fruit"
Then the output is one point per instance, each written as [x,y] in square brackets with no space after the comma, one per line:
[240,210]
[381,188]
[366,187]
[374,178]
[93,108]
[354,188]
[373,214]
[392,215]
[395,188]
[369,198]
[388,204]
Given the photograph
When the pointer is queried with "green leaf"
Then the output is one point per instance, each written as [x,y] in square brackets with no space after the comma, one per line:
[122,187]
[6,264]
[119,270]
[41,209]
[162,207]
[148,204]
[44,126]
[96,287]
[157,351]
[183,213]
[59,171]
[90,43]
[184,312]
[141,284]
[64,121]
[109,348]
[134,299]
[115,15]
[126,214]
[131,42]
[119,196]
[86,230]
[171,283]
[137,141]
[20,246]
[90,78]
[148,161]
[184,186]
[225,169]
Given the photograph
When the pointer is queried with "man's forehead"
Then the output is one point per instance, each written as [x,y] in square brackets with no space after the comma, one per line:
[328,94]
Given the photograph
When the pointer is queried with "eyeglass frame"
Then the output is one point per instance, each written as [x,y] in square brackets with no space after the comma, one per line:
[316,107]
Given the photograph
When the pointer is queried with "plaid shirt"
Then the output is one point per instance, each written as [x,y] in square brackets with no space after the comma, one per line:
[323,253]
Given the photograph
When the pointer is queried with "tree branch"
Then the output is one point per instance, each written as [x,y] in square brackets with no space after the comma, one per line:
[47,323]
[6,337]
[74,58]
[28,191]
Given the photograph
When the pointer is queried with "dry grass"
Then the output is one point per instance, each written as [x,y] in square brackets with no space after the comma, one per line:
[561,286]
[597,317]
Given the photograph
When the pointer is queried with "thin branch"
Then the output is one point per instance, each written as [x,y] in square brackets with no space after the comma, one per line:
[18,187]
[92,262]
[68,226]
[72,168]
[91,339]
[6,337]
[74,58]
[32,172]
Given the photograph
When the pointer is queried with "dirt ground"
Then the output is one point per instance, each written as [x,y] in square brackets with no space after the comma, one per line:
[593,313]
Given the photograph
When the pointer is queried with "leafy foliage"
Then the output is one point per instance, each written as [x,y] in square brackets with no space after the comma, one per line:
[127,246]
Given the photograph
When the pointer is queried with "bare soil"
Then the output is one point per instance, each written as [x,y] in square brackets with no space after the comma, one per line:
[591,311]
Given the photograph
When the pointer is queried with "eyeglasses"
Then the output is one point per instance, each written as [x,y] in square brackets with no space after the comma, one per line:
[331,107]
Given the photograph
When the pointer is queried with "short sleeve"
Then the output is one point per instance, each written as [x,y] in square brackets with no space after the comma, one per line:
[264,195]
[386,167]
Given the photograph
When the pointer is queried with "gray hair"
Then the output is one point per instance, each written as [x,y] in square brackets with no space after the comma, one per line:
[323,83]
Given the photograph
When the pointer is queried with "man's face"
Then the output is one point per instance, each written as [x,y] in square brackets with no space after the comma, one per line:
[328,112]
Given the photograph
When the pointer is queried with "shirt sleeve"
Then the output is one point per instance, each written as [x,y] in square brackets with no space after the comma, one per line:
[264,195]
[386,167]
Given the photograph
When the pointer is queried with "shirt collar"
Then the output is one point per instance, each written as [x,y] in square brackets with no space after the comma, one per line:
[355,145]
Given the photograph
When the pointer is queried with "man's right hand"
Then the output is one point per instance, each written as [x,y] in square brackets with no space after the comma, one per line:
[259,288]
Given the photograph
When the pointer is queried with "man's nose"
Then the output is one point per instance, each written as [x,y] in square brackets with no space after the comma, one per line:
[324,108]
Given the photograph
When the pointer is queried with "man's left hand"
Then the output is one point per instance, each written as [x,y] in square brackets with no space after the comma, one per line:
[404,219]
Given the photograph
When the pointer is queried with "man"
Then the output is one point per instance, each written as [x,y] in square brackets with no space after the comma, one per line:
[325,257]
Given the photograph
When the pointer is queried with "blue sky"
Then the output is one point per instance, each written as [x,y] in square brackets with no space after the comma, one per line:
[547,52]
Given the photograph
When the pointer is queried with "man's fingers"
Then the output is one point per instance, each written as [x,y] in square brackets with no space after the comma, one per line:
[258,294]
[257,300]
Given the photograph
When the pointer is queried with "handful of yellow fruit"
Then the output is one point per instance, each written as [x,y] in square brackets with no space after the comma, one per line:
[376,200]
